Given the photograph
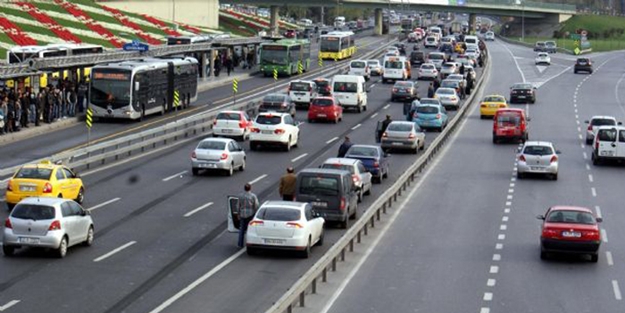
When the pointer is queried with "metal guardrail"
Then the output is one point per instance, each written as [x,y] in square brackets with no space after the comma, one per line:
[308,283]
[149,139]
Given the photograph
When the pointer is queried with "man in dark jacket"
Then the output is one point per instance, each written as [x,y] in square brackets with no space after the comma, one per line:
[431,90]
[383,127]
[287,185]
[344,147]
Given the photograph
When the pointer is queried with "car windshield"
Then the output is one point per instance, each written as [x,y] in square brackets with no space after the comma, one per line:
[394,64]
[373,63]
[550,44]
[338,166]
[279,214]
[319,185]
[607,135]
[33,212]
[582,61]
[538,150]
[445,91]
[323,102]
[602,122]
[322,83]
[345,87]
[211,145]
[268,120]
[403,84]
[274,98]
[358,64]
[427,67]
[542,55]
[494,99]
[449,84]
[34,173]
[400,127]
[540,44]
[231,116]
[427,110]
[522,86]
[448,65]
[362,151]
[508,119]
[571,217]
[435,56]
[429,101]
[299,86]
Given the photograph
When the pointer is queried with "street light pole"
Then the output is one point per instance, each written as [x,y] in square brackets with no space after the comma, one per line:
[523,22]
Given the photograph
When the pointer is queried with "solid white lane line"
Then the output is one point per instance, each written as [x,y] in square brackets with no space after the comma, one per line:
[8,305]
[608,257]
[103,204]
[299,158]
[590,178]
[501,237]
[515,62]
[386,106]
[494,269]
[373,115]
[496,257]
[331,140]
[617,290]
[598,211]
[488,296]
[174,176]
[499,246]
[98,259]
[594,191]
[197,282]
[485,310]
[604,235]
[503,227]
[356,126]
[491,282]
[198,209]
[257,179]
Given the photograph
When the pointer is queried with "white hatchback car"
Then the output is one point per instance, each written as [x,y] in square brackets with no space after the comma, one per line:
[538,157]
[285,225]
[543,58]
[360,68]
[489,36]
[448,97]
[218,154]
[428,70]
[272,128]
[43,222]
[235,124]
[375,67]
[360,176]
[595,122]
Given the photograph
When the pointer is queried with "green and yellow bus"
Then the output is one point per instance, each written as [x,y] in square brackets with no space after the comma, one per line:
[337,46]
[285,55]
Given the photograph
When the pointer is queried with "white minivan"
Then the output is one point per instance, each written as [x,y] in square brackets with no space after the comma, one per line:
[350,91]
[395,68]
[609,144]
[360,67]
[471,40]
[302,92]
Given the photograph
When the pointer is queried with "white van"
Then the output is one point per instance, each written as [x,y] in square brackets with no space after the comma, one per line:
[339,22]
[436,32]
[471,40]
[609,144]
[350,91]
[302,92]
[396,68]
[360,67]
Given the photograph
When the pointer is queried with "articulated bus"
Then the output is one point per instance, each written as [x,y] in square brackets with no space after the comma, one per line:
[24,53]
[187,40]
[337,46]
[285,56]
[136,88]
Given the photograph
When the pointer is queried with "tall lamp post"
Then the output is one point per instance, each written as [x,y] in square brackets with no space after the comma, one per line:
[522,4]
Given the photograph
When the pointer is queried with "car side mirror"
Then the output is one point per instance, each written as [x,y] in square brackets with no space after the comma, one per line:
[587,122]
[540,217]
[529,119]
[599,219]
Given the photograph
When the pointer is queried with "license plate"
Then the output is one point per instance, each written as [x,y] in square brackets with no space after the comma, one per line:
[27,188]
[226,130]
[397,143]
[493,105]
[275,241]
[319,204]
[521,97]
[572,234]
[299,93]
[267,132]
[207,165]
[536,168]
[28,240]
[603,153]
[321,115]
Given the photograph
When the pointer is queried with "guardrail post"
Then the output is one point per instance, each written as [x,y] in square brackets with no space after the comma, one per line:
[314,286]
[351,245]
[343,254]
[117,155]
[290,309]
[395,196]
[398,192]
[372,222]
[390,202]
[377,214]
[324,275]
[405,185]
[302,297]
[334,264]
[384,208]
[358,237]
[412,177]
[366,228]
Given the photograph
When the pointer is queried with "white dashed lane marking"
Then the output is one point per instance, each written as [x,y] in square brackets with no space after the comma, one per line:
[604,235]
[499,246]
[257,179]
[484,310]
[593,191]
[332,140]
[8,305]
[590,178]
[103,204]
[116,250]
[174,176]
[386,106]
[608,257]
[357,126]
[373,115]
[491,282]
[494,269]
[488,296]
[617,290]
[496,257]
[299,158]
[198,209]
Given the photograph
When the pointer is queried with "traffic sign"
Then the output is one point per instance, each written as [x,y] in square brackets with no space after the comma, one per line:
[275,74]
[320,61]
[136,46]
[89,118]
[577,51]
[176,99]
[300,67]
[235,85]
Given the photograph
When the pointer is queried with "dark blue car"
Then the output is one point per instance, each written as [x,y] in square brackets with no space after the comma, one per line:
[373,158]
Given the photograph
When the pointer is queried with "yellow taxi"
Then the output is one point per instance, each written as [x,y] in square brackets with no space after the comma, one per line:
[458,48]
[490,104]
[44,179]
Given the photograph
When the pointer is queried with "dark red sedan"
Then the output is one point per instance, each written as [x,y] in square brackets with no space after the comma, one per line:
[570,230]
[325,109]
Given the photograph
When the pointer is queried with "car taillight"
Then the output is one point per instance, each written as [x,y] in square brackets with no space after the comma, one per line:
[242,124]
[279,131]
[553,159]
[309,89]
[7,223]
[214,122]
[591,234]
[502,105]
[438,116]
[294,225]
[483,105]
[193,155]
[56,225]
[394,89]
[256,223]
[513,91]
[384,134]
[547,232]
[342,207]
[283,105]
[255,130]
[376,164]
[47,188]
[9,188]
[453,98]
[597,144]
[522,158]
[415,115]
[224,156]
[590,127]
[355,178]
[412,136]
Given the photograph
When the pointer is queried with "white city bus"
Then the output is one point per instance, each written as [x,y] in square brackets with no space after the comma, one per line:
[21,54]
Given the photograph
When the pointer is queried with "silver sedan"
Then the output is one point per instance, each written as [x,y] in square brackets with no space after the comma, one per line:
[223,154]
[403,135]
[538,157]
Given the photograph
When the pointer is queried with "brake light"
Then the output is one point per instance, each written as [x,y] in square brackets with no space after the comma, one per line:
[454,98]
[255,130]
[415,115]
[256,223]
[342,207]
[592,234]
[9,188]
[224,156]
[7,223]
[394,89]
[355,178]
[483,105]
[242,124]
[438,116]
[553,159]
[384,134]
[47,188]
[597,144]
[309,89]
[412,136]
[502,105]
[522,158]
[547,232]
[590,127]
[193,155]
[56,225]
[214,122]
[294,225]
[376,164]
[279,131]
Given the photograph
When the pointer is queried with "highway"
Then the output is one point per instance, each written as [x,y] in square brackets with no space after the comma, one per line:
[159,235]
[468,240]
[47,144]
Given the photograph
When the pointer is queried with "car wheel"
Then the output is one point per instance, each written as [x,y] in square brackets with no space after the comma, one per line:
[90,235]
[240,138]
[358,108]
[355,214]
[296,145]
[81,195]
[368,192]
[594,258]
[230,170]
[574,71]
[376,180]
[364,107]
[386,173]
[415,150]
[61,251]
[320,241]
[253,146]
[195,171]
[242,167]
[310,120]
[306,252]
[8,250]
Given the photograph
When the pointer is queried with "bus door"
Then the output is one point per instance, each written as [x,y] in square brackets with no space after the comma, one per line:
[170,85]
[233,214]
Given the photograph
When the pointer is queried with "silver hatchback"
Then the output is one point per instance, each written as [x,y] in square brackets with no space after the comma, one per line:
[52,223]
[404,136]
[222,154]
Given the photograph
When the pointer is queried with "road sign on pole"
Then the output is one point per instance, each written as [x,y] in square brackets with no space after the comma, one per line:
[320,61]
[300,67]
[235,89]
[176,99]
[275,74]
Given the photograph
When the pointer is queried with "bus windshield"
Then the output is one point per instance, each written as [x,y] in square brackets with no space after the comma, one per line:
[330,44]
[110,87]
[276,55]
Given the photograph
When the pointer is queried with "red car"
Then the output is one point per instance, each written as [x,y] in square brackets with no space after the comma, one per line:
[326,109]
[572,230]
[510,124]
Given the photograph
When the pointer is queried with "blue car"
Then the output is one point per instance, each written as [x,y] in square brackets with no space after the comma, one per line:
[431,116]
[373,158]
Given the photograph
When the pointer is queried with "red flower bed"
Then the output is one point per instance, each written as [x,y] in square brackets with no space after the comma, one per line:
[225,21]
[49,22]
[192,29]
[85,18]
[245,19]
[126,22]
[15,33]
[161,25]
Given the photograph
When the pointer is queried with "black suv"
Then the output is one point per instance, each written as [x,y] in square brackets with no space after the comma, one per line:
[583,65]
[417,57]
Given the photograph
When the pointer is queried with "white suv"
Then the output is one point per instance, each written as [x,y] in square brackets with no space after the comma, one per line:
[277,129]
[609,144]
[594,124]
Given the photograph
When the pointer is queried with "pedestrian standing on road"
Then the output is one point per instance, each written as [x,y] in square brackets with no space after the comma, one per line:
[462,69]
[431,90]
[344,147]
[437,83]
[385,124]
[4,116]
[287,184]
[469,85]
[229,65]
[81,94]
[248,205]
[72,100]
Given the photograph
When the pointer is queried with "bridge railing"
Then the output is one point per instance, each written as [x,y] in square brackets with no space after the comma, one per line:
[514,4]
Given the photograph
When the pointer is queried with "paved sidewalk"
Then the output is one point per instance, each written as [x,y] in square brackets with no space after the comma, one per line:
[203,85]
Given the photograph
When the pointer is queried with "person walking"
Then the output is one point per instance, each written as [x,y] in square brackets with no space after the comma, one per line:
[462,69]
[431,90]
[469,85]
[385,124]
[248,205]
[344,147]
[287,184]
